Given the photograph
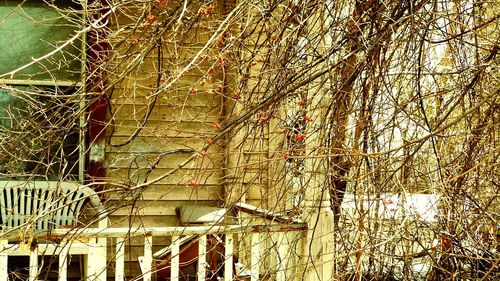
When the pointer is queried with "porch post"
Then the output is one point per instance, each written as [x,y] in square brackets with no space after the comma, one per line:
[317,212]
[319,246]
[148,258]
[202,258]
[120,260]
[255,256]
[96,261]
[175,262]
[63,261]
[33,267]
[228,257]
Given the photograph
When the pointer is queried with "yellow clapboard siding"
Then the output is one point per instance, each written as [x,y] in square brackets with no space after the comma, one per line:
[175,193]
[182,118]
[163,128]
[180,178]
[248,177]
[179,112]
[127,160]
[145,77]
[197,35]
[141,208]
[256,191]
[156,208]
[205,96]
[159,145]
[260,203]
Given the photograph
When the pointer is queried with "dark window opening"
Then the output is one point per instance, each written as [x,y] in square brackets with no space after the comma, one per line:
[41,73]
[39,132]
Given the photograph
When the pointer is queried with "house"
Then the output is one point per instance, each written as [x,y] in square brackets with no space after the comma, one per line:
[128,110]
[252,123]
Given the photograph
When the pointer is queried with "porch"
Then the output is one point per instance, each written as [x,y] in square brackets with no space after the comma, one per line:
[265,251]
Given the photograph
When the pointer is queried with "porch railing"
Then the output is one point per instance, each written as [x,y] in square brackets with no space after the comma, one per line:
[96,268]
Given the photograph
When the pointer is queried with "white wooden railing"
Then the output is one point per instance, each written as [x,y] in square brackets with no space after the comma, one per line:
[89,242]
[94,250]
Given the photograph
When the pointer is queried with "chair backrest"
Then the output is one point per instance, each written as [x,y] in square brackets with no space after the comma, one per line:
[43,204]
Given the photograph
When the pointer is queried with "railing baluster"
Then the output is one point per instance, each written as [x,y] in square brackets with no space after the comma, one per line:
[96,265]
[282,254]
[102,269]
[228,257]
[255,256]
[120,259]
[174,264]
[202,258]
[303,252]
[33,268]
[96,261]
[63,261]
[148,257]
[4,259]
[90,260]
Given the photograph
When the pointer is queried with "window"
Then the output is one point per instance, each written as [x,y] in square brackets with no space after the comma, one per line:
[41,86]
[34,29]
[37,135]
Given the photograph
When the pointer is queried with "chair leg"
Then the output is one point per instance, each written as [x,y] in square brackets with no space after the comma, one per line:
[63,262]
[33,267]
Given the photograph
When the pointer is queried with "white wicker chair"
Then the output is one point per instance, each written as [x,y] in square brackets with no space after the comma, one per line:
[41,206]
[47,205]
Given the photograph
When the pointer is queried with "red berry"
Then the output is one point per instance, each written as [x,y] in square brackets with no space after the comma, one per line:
[150,19]
[299,138]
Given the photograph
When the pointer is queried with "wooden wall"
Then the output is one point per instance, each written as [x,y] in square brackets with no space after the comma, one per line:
[156,125]
[190,108]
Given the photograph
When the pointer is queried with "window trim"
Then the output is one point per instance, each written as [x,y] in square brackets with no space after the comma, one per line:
[81,84]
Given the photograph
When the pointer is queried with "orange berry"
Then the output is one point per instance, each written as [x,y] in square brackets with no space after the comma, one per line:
[263,119]
[217,125]
[299,138]
[150,19]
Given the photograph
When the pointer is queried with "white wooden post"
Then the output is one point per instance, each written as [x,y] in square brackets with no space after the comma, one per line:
[96,261]
[63,261]
[91,261]
[202,258]
[303,257]
[282,255]
[317,209]
[174,263]
[33,268]
[4,259]
[228,258]
[120,259]
[255,256]
[101,261]
[148,257]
